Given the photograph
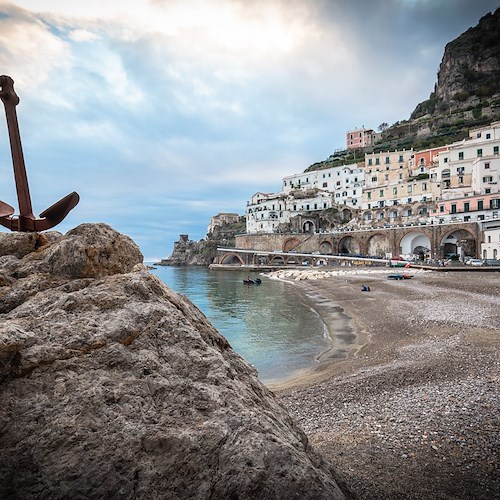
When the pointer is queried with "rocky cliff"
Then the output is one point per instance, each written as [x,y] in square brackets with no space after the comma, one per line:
[113,386]
[466,95]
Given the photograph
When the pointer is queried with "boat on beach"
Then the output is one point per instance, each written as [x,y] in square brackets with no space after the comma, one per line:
[404,276]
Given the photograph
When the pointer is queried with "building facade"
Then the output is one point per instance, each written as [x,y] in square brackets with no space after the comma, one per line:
[361,138]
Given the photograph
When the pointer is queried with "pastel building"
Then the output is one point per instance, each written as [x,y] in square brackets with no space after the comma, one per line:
[222,219]
[361,138]
[388,180]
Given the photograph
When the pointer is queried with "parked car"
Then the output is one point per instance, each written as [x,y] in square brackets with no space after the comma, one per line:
[492,262]
[475,262]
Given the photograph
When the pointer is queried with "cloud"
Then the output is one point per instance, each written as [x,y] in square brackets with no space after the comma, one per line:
[163,113]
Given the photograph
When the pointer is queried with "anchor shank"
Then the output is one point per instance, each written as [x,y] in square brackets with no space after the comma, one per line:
[22,188]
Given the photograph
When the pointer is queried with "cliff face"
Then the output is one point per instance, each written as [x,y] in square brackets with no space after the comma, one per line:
[466,95]
[114,386]
[471,65]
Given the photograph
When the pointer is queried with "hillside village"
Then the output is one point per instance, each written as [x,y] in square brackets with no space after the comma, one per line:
[458,182]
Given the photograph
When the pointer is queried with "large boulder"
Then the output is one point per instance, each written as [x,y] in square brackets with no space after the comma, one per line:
[113,386]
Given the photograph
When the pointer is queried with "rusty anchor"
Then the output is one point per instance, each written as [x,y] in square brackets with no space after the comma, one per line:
[26,221]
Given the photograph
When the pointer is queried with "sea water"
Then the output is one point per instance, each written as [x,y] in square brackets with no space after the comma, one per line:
[271,325]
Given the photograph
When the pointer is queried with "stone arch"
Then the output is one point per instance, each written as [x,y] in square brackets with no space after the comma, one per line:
[232,259]
[290,244]
[378,245]
[349,245]
[460,242]
[308,226]
[325,247]
[277,260]
[346,214]
[415,243]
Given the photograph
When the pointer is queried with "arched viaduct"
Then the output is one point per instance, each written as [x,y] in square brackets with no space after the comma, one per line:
[436,241]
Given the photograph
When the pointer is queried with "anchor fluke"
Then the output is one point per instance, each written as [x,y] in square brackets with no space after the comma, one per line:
[26,221]
[5,209]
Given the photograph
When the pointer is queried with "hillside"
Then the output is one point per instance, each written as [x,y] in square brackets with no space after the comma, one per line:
[466,95]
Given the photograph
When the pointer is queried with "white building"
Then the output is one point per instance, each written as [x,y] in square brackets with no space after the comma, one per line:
[469,167]
[490,246]
[266,211]
[344,181]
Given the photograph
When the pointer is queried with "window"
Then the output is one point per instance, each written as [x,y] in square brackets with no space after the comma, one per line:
[370,161]
[495,203]
[453,208]
[480,152]
[445,159]
[466,206]
[374,178]
[409,189]
[325,184]
[377,161]
[478,135]
[488,178]
[460,179]
[388,160]
[488,136]
[386,176]
[489,239]
[495,150]
[487,165]
[400,158]
[424,186]
[395,190]
[461,155]
[480,205]
[369,195]
[315,206]
[381,193]
[487,191]
[441,208]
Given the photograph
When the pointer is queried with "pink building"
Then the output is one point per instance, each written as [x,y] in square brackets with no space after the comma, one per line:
[468,208]
[361,138]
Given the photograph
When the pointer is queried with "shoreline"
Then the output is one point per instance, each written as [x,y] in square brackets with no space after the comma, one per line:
[411,412]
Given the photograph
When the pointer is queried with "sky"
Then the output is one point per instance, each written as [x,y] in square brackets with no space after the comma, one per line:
[163,113]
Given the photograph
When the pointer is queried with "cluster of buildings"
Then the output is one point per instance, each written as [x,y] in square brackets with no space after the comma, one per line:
[453,183]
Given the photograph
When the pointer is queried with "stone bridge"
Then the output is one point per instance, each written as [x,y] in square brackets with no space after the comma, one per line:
[434,241]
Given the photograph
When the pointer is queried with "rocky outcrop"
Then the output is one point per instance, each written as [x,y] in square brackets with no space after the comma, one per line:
[187,252]
[466,94]
[113,386]
[203,253]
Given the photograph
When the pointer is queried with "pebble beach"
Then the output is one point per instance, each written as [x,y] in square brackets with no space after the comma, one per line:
[406,402]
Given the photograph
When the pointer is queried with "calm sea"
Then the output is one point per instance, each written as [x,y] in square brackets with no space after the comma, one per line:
[270,325]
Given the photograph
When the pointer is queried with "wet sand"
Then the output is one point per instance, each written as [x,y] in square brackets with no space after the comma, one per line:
[406,403]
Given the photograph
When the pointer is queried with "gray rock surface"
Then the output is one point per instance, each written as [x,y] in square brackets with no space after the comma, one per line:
[113,386]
